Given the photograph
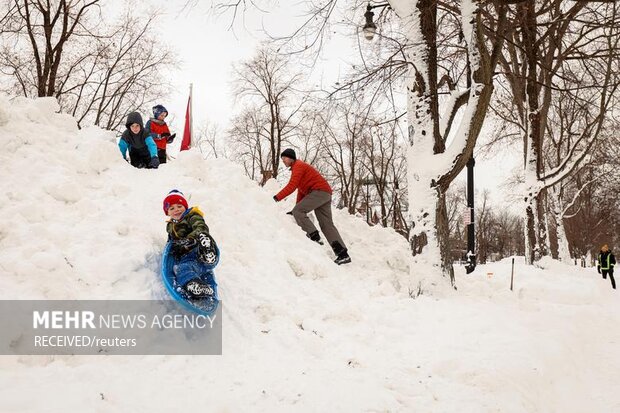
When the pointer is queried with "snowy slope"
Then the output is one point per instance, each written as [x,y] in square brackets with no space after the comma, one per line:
[300,333]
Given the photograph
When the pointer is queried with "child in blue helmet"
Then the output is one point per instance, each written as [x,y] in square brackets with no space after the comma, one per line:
[158,129]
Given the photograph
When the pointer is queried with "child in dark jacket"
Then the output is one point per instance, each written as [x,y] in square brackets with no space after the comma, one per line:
[192,245]
[142,149]
[158,129]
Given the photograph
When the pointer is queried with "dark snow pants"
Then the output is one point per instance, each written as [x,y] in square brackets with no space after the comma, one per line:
[140,158]
[161,154]
[611,277]
[321,203]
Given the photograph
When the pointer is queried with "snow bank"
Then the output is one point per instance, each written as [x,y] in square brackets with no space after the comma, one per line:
[300,333]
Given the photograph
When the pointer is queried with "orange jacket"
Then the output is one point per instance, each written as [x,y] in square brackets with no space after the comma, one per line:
[304,178]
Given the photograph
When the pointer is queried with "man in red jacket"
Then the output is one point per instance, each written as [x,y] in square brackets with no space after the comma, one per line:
[313,194]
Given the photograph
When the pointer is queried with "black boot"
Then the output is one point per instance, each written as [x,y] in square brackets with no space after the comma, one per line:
[342,255]
[207,250]
[314,236]
[198,289]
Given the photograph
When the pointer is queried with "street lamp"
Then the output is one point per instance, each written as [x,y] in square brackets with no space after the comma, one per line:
[470,264]
[370,28]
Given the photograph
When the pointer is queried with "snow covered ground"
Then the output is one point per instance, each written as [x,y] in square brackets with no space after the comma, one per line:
[300,333]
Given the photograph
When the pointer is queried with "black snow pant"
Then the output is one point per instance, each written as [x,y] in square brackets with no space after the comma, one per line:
[140,158]
[161,154]
[611,277]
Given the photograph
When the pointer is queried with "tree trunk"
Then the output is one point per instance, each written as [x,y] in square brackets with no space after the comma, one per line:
[543,234]
[560,230]
[563,247]
[533,135]
[427,206]
[431,167]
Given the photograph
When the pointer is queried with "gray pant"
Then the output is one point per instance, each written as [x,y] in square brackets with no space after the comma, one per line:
[321,203]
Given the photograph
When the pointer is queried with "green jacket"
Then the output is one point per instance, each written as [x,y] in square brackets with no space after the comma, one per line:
[190,225]
[606,260]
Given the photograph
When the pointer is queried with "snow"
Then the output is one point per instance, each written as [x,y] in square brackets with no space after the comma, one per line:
[300,333]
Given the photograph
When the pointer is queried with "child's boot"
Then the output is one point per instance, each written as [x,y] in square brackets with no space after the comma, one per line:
[198,289]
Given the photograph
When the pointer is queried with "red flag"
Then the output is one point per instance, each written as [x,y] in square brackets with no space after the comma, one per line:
[187,133]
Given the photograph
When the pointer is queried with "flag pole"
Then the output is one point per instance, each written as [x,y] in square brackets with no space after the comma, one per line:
[191,112]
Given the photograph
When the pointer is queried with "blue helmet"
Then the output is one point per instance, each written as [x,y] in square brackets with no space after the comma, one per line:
[158,110]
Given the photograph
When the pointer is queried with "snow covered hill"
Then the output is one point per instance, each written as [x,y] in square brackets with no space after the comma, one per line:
[300,333]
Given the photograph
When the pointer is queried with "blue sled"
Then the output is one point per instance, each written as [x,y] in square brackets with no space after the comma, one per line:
[204,306]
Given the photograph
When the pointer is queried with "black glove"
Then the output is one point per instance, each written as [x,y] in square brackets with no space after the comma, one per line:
[154,162]
[275,198]
[207,249]
[290,212]
[170,138]
[599,269]
[183,246]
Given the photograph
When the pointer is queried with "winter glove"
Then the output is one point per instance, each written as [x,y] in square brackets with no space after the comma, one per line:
[154,162]
[275,198]
[183,246]
[170,138]
[207,249]
[598,269]
[290,212]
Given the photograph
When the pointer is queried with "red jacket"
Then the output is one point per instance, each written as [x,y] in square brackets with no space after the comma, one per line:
[304,178]
[155,128]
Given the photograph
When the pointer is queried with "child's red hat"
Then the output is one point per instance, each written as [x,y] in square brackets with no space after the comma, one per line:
[174,197]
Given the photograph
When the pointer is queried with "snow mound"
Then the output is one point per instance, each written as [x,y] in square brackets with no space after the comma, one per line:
[300,333]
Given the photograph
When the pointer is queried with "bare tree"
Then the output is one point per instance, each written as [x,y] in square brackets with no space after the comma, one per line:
[347,129]
[49,28]
[558,50]
[127,72]
[380,152]
[247,137]
[98,71]
[312,133]
[563,128]
[266,80]
[210,141]
[433,163]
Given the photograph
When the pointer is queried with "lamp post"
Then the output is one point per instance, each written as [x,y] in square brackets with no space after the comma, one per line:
[470,264]
[367,204]
[370,28]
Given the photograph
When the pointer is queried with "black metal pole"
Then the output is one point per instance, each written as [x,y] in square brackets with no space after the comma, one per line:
[367,204]
[470,266]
